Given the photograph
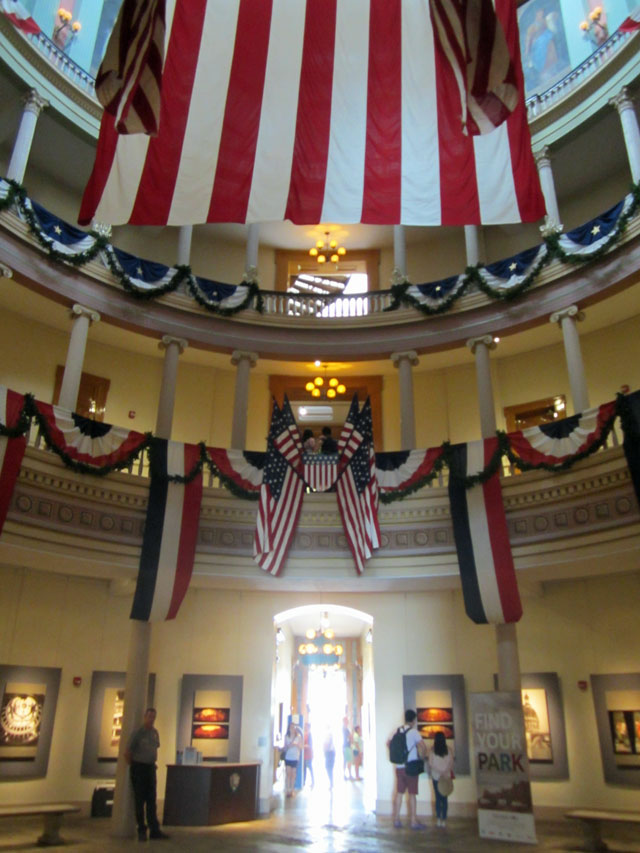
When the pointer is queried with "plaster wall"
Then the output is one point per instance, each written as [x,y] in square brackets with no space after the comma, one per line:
[574,628]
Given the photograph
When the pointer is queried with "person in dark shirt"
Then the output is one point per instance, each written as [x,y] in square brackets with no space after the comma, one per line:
[141,755]
[329,444]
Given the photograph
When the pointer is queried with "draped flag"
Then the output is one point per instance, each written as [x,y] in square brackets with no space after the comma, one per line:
[281,492]
[19,16]
[87,442]
[11,449]
[170,531]
[317,111]
[129,79]
[489,585]
[557,441]
[404,471]
[240,470]
[630,415]
[357,487]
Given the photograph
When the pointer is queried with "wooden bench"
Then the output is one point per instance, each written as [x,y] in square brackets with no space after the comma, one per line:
[593,821]
[52,813]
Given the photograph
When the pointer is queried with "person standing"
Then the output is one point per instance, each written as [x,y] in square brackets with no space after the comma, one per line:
[440,766]
[293,746]
[347,751]
[308,754]
[329,749]
[357,750]
[404,783]
[141,755]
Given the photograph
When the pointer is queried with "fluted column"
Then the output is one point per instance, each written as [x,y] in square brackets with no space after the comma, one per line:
[33,104]
[82,320]
[480,347]
[185,235]
[173,348]
[629,120]
[404,361]
[568,319]
[135,691]
[399,249]
[543,162]
[506,634]
[474,244]
[243,361]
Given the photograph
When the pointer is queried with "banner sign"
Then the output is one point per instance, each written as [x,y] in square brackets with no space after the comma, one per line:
[505,810]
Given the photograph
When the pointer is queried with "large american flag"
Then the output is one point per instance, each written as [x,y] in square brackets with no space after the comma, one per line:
[281,492]
[327,111]
[357,487]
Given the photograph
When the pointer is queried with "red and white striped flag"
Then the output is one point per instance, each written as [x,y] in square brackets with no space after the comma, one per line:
[129,79]
[11,449]
[281,492]
[320,471]
[320,111]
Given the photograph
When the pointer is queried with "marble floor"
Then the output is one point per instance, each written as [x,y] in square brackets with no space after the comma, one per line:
[314,821]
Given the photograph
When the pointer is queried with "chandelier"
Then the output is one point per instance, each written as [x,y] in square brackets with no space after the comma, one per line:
[320,652]
[321,384]
[327,248]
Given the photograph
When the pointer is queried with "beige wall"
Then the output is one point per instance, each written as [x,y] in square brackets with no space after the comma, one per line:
[575,628]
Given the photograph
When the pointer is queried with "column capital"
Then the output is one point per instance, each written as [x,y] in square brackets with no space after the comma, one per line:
[241,355]
[408,355]
[622,100]
[101,228]
[5,271]
[543,157]
[81,311]
[550,226]
[486,340]
[168,340]
[34,103]
[572,312]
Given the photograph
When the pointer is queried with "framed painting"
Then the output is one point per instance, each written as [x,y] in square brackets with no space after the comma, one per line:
[616,700]
[209,716]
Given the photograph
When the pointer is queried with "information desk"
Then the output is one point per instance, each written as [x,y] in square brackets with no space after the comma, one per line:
[207,794]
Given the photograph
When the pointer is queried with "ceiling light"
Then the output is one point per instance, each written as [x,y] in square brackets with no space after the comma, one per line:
[327,248]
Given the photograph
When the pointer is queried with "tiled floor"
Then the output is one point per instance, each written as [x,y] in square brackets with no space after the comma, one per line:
[314,822]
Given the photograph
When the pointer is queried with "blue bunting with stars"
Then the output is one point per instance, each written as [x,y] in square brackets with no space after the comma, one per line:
[141,275]
[58,234]
[590,237]
[511,272]
[435,293]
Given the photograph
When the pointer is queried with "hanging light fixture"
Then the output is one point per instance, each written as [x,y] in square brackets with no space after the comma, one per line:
[327,249]
[320,652]
[321,386]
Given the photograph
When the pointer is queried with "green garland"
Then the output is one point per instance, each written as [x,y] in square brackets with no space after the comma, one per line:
[182,273]
[253,294]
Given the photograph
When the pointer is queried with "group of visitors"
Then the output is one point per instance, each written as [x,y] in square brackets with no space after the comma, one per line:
[325,443]
[351,750]
[439,760]
[299,744]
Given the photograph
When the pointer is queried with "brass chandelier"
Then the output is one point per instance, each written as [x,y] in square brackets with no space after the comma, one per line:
[327,249]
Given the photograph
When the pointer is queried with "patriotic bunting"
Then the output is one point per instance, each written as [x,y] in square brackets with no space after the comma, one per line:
[86,443]
[281,492]
[489,585]
[19,17]
[171,527]
[513,272]
[629,407]
[240,470]
[404,471]
[591,237]
[11,448]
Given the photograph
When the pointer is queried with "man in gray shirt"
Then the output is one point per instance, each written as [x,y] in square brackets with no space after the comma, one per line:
[141,756]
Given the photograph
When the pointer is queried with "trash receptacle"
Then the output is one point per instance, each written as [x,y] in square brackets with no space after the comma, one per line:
[102,801]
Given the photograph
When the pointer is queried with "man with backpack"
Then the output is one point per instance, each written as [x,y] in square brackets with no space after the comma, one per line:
[405,746]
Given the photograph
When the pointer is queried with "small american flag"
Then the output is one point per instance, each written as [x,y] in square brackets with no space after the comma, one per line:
[357,487]
[281,492]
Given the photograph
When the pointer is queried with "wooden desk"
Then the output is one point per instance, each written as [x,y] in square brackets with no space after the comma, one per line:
[212,793]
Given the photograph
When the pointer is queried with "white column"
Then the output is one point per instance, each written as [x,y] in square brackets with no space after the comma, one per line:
[480,347]
[404,361]
[543,162]
[185,235]
[135,691]
[629,120]
[568,320]
[399,250]
[173,348]
[474,244]
[33,104]
[253,244]
[243,361]
[82,319]
[506,635]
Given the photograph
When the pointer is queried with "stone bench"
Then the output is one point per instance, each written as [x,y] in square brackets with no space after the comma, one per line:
[52,814]
[593,821]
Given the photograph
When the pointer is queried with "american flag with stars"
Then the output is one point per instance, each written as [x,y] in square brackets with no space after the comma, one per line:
[357,487]
[281,492]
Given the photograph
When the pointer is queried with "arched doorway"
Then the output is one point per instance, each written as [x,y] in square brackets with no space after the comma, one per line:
[327,687]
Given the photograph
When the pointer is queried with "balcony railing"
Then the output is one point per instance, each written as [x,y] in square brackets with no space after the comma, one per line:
[67,67]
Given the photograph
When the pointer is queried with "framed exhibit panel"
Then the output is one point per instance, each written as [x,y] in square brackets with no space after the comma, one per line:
[210,715]
[29,695]
[617,705]
[439,701]
[104,722]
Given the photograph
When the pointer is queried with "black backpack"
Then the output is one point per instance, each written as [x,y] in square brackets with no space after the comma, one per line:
[398,751]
